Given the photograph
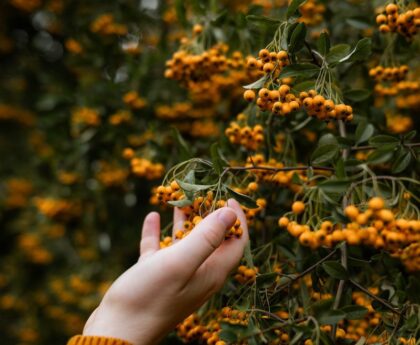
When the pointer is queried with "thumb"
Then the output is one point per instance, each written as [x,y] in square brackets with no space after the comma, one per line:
[206,237]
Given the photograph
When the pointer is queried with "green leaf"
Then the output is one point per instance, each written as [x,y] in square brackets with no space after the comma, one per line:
[324,154]
[242,198]
[342,52]
[257,84]
[364,131]
[180,203]
[324,44]
[381,155]
[382,139]
[248,255]
[228,336]
[337,53]
[189,187]
[297,38]
[305,70]
[335,270]
[357,95]
[358,22]
[402,162]
[334,186]
[266,280]
[327,139]
[354,312]
[185,150]
[304,86]
[331,317]
[293,7]
[262,20]
[219,162]
[410,135]
[340,170]
[181,12]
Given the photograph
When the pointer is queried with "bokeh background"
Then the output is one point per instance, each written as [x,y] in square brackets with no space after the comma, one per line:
[87,122]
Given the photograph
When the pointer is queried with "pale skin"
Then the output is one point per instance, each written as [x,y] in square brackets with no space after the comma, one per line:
[166,285]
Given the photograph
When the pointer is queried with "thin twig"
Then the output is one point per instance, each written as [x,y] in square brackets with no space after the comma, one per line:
[256,167]
[370,147]
[376,298]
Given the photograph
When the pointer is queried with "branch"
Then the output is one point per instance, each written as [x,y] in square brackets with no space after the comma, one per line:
[256,167]
[304,273]
[370,147]
[376,298]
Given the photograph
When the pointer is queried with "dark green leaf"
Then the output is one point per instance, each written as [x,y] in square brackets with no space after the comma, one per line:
[185,150]
[335,270]
[357,95]
[402,162]
[304,86]
[327,139]
[242,198]
[354,312]
[293,7]
[248,255]
[180,203]
[382,139]
[305,70]
[337,53]
[262,20]
[361,51]
[267,279]
[297,38]
[192,187]
[381,155]
[410,135]
[324,154]
[334,186]
[324,43]
[331,317]
[340,170]
[228,336]
[363,132]
[257,84]
[219,162]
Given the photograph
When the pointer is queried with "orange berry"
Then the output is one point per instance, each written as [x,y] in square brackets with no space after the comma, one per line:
[298,207]
[351,211]
[249,95]
[376,203]
[283,222]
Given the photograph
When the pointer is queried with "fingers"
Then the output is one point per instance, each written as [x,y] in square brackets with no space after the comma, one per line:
[178,221]
[150,234]
[206,237]
[228,255]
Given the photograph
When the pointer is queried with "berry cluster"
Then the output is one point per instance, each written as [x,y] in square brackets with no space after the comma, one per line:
[397,73]
[268,63]
[239,133]
[54,208]
[86,116]
[142,167]
[111,175]
[245,275]
[233,316]
[377,227]
[105,25]
[133,100]
[312,12]
[394,19]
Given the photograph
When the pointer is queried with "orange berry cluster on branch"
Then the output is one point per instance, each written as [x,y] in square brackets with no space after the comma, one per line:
[111,175]
[239,133]
[142,167]
[57,208]
[105,25]
[233,316]
[375,227]
[133,100]
[406,23]
[397,73]
[312,12]
[268,63]
[325,109]
[245,275]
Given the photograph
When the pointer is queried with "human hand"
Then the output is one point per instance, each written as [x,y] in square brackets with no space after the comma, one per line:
[166,285]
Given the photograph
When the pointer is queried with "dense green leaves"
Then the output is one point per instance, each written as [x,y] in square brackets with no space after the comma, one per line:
[293,7]
[335,270]
[299,71]
[297,38]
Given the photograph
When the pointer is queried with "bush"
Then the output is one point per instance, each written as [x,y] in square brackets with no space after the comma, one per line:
[303,111]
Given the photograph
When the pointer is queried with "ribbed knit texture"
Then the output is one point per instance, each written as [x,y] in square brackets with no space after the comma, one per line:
[96,340]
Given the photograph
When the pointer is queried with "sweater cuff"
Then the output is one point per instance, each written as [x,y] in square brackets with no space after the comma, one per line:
[96,340]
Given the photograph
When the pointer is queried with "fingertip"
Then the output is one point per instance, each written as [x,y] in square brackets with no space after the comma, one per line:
[227,217]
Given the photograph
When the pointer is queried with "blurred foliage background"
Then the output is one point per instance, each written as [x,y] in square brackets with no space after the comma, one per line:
[86,132]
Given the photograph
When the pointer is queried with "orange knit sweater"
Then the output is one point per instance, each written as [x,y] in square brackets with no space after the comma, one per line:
[96,340]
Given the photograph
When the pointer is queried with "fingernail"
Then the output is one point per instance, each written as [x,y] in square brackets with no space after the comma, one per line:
[227,217]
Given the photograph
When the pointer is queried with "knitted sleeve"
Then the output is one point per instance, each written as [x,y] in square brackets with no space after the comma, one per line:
[96,340]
